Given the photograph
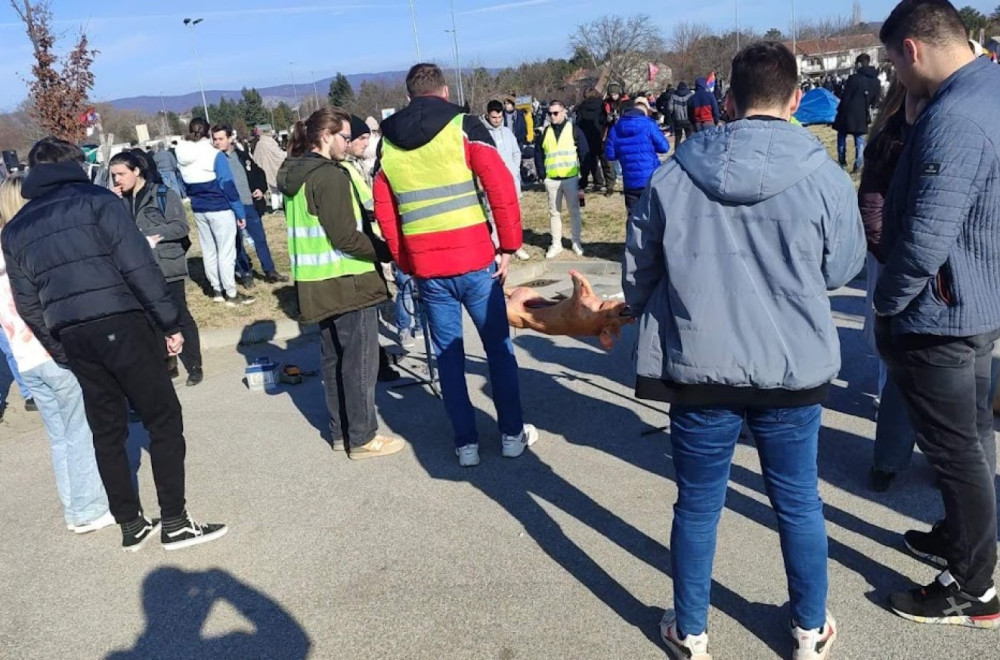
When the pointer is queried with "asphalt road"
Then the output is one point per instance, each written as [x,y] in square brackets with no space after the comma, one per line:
[562,553]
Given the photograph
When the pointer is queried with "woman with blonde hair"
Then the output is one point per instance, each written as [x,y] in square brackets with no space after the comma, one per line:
[60,401]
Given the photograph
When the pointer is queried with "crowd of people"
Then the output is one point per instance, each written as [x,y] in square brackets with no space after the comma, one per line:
[731,247]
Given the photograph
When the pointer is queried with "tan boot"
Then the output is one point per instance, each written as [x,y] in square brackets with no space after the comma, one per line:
[380,445]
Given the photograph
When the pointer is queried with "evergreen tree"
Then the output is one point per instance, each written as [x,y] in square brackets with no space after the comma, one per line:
[341,93]
[252,109]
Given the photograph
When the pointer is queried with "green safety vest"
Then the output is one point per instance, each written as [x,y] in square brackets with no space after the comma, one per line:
[561,161]
[433,185]
[314,258]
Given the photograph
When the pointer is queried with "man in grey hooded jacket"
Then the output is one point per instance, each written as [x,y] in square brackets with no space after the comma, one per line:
[729,255]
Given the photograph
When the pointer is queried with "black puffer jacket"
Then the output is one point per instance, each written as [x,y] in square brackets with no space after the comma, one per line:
[74,254]
[171,224]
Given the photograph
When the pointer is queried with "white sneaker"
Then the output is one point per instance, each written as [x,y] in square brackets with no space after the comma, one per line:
[553,251]
[522,254]
[468,455]
[692,647]
[107,520]
[406,339]
[814,644]
[578,248]
[513,445]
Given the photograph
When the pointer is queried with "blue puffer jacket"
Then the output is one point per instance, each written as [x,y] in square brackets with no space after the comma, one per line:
[941,222]
[728,258]
[635,140]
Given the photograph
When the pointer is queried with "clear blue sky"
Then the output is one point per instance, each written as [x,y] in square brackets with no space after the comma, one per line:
[145,49]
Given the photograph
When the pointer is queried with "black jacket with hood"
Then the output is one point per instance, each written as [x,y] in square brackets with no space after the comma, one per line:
[328,197]
[74,254]
[861,93]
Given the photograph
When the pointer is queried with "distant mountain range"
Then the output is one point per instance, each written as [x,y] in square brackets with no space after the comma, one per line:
[271,95]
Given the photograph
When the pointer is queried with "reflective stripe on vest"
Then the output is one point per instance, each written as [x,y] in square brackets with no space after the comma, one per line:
[433,184]
[561,161]
[361,186]
[312,255]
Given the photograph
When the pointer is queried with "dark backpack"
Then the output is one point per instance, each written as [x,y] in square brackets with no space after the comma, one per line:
[161,201]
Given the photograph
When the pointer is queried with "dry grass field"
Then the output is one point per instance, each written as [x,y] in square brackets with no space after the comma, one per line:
[603,237]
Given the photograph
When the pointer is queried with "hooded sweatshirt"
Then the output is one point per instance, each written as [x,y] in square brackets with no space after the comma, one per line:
[208,178]
[727,264]
[328,197]
[457,251]
[679,104]
[703,107]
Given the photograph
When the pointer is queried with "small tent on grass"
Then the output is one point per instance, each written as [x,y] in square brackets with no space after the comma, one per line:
[819,106]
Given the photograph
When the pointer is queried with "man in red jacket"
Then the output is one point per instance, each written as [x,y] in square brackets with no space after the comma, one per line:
[427,205]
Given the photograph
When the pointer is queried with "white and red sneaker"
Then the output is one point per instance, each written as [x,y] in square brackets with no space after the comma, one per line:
[690,647]
[814,644]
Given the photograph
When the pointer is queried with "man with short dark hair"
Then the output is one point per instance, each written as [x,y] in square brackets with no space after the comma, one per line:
[427,205]
[86,283]
[862,92]
[514,120]
[509,149]
[559,150]
[246,170]
[937,300]
[728,258]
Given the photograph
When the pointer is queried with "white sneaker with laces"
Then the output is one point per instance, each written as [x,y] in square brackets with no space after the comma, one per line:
[578,248]
[522,254]
[107,520]
[468,455]
[814,644]
[691,647]
[406,339]
[553,252]
[513,445]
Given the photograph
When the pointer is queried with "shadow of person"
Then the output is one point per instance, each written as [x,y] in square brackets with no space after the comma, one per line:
[177,605]
[519,487]
[308,396]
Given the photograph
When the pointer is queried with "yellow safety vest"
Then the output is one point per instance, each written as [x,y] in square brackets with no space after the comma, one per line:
[364,193]
[314,258]
[433,185]
[561,161]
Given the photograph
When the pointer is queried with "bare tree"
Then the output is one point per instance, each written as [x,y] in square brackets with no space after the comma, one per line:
[59,86]
[825,28]
[623,45]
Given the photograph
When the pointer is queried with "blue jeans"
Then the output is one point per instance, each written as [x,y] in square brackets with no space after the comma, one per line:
[894,435]
[482,297]
[14,373]
[703,443]
[404,300]
[60,403]
[859,149]
[255,229]
[171,182]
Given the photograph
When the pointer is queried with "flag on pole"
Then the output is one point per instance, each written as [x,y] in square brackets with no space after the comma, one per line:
[653,70]
[710,82]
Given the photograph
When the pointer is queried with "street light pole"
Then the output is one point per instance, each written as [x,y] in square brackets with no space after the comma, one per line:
[737,4]
[413,17]
[458,65]
[315,90]
[163,105]
[194,47]
[295,91]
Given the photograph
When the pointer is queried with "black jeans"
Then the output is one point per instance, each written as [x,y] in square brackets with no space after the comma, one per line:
[682,131]
[117,357]
[191,355]
[349,352]
[608,170]
[632,196]
[945,383]
[591,168]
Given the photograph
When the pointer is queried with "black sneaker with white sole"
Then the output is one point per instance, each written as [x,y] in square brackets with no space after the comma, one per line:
[135,533]
[947,604]
[184,532]
[931,545]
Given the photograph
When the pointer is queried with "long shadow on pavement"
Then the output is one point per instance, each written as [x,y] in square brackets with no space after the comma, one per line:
[177,604]
[516,485]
